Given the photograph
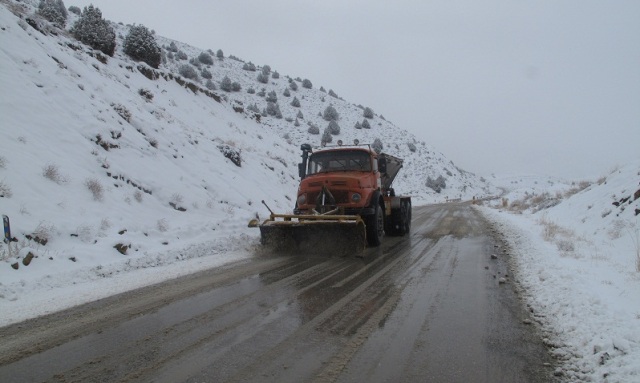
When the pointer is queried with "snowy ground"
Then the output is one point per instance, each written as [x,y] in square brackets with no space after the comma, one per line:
[578,267]
[575,253]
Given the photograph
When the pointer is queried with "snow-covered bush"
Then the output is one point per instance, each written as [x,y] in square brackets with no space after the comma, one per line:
[293,86]
[330,113]
[249,66]
[365,124]
[272,97]
[205,58]
[220,54]
[95,187]
[5,190]
[75,10]
[263,78]
[188,71]
[313,129]
[206,74]
[333,128]
[326,136]
[54,11]
[436,185]
[368,113]
[295,102]
[306,83]
[273,109]
[377,145]
[226,84]
[141,45]
[231,153]
[93,30]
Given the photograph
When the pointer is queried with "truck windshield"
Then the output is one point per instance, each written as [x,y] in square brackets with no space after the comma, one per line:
[339,160]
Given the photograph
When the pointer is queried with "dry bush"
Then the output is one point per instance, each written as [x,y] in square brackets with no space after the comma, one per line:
[52,173]
[5,190]
[95,187]
[162,225]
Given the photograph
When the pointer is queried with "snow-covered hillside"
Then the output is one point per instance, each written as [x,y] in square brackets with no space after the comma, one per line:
[106,162]
[576,255]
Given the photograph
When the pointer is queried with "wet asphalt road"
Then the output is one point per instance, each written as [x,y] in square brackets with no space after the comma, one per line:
[426,307]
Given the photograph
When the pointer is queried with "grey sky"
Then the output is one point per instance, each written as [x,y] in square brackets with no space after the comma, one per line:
[548,87]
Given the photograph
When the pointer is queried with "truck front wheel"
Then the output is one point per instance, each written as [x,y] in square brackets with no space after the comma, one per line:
[375,227]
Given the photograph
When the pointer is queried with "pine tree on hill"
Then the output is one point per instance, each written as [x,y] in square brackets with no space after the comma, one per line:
[141,45]
[54,11]
[93,30]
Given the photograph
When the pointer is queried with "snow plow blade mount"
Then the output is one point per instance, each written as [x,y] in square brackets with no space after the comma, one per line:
[316,234]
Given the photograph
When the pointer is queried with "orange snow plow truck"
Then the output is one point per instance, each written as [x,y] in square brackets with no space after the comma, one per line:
[345,202]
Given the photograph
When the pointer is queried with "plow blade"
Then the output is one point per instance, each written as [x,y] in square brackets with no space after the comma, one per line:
[318,234]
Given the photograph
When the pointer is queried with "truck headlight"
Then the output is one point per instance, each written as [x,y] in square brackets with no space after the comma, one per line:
[302,199]
[356,197]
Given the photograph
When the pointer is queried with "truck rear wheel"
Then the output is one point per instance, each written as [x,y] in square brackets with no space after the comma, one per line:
[375,227]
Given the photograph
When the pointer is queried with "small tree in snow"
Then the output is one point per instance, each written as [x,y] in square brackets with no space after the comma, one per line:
[226,84]
[330,113]
[220,54]
[377,145]
[295,102]
[365,124]
[140,44]
[326,137]
[293,86]
[333,127]
[368,113]
[187,71]
[54,11]
[272,97]
[307,84]
[93,30]
[313,129]
[205,58]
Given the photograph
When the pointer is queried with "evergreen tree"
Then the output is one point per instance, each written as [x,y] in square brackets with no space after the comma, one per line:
[205,58]
[300,115]
[286,92]
[75,10]
[93,30]
[365,124]
[293,86]
[326,136]
[206,74]
[54,11]
[295,102]
[272,97]
[368,112]
[313,129]
[263,78]
[140,44]
[333,128]
[226,84]
[220,54]
[307,84]
[187,71]
[330,113]
[377,145]
[358,126]
[275,75]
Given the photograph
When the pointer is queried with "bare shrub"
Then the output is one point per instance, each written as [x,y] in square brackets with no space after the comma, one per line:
[52,173]
[95,187]
[5,190]
[565,245]
[615,231]
[137,195]
[122,111]
[162,225]
[43,232]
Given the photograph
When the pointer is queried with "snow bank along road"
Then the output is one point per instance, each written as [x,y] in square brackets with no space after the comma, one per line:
[426,307]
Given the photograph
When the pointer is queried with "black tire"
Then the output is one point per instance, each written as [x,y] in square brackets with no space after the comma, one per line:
[407,217]
[375,227]
[402,224]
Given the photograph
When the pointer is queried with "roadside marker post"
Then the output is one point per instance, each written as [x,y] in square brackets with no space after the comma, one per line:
[7,232]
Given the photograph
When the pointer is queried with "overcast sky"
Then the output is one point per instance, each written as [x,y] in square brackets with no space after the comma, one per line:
[545,87]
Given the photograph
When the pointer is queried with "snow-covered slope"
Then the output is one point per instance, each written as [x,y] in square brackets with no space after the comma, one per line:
[106,162]
[576,252]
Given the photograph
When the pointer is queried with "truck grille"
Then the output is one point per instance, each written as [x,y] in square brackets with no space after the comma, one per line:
[341,196]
